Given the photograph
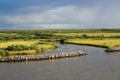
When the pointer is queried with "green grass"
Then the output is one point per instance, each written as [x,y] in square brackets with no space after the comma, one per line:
[108,43]
[45,46]
[26,52]
[88,34]
[20,42]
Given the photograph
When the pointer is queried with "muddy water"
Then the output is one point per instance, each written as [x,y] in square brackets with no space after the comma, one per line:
[97,65]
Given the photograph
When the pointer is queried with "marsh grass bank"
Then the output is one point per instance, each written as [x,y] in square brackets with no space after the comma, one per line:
[21,47]
[104,43]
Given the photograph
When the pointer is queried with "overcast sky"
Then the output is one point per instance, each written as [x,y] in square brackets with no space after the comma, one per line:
[59,14]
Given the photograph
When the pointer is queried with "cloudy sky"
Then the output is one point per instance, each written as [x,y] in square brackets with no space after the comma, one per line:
[59,14]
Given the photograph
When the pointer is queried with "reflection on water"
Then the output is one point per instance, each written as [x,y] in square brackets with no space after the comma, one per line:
[97,65]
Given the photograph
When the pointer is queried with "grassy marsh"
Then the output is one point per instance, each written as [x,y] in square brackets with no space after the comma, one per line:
[43,40]
[107,43]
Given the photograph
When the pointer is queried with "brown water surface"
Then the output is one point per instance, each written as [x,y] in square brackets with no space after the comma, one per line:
[97,65]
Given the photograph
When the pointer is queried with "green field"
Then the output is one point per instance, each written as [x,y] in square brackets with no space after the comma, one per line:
[8,43]
[45,46]
[88,34]
[107,43]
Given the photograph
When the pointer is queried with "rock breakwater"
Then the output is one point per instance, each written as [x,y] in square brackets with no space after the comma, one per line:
[116,49]
[42,56]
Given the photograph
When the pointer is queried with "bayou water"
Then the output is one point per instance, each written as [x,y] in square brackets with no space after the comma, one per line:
[96,65]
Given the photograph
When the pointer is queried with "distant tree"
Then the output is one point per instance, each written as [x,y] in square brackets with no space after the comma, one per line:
[62,41]
[84,36]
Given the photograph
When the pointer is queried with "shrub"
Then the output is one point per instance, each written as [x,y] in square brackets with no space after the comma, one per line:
[4,53]
[20,48]
[62,41]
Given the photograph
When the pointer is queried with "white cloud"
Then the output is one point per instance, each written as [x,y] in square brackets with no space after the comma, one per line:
[45,26]
[61,15]
[66,17]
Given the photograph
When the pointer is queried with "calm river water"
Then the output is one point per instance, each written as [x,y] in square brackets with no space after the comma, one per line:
[97,65]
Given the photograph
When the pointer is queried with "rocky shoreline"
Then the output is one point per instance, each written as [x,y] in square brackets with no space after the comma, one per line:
[116,49]
[42,57]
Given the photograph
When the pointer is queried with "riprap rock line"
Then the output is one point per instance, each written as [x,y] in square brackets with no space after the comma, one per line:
[116,49]
[42,56]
